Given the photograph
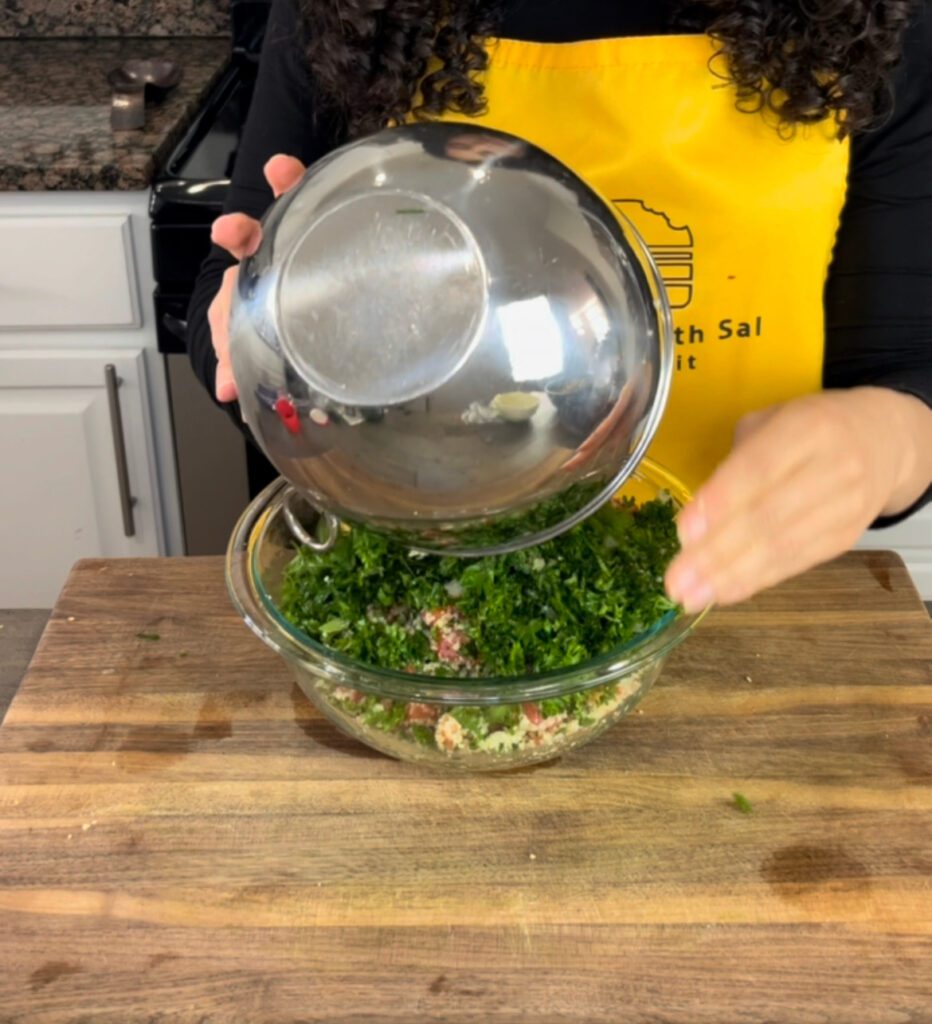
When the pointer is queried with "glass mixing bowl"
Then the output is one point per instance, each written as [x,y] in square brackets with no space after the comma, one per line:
[467,724]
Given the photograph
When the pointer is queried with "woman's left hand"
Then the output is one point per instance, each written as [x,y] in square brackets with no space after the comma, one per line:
[801,484]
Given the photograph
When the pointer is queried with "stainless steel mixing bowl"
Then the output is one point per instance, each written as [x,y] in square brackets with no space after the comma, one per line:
[448,335]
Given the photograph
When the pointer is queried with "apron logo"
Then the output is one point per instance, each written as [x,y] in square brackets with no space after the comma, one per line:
[670,245]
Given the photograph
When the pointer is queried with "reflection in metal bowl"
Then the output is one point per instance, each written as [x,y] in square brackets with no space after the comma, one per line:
[422,273]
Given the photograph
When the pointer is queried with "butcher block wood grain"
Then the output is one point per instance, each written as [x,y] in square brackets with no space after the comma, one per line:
[184,839]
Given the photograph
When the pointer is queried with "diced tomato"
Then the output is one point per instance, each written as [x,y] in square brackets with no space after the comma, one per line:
[448,650]
[349,694]
[424,714]
[447,640]
[533,713]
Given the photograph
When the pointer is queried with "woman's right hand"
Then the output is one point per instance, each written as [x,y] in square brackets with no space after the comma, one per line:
[240,236]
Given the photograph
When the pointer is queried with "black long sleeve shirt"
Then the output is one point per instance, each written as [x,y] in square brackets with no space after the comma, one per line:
[878,297]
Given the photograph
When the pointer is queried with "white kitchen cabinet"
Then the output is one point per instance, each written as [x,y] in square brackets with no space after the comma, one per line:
[63,474]
[69,272]
[76,287]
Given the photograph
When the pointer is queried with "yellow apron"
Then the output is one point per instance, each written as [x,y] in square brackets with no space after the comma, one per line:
[741,219]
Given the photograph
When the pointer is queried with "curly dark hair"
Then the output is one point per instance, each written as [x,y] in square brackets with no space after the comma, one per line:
[377,61]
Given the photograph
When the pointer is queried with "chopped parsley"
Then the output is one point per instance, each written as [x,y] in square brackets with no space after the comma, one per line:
[596,587]
[544,515]
[148,636]
[741,803]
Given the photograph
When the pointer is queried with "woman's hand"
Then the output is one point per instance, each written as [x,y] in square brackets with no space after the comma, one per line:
[240,236]
[802,483]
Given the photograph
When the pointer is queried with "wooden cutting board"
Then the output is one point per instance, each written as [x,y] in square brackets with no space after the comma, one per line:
[183,839]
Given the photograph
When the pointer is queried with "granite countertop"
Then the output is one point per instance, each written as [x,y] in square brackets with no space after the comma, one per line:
[55,111]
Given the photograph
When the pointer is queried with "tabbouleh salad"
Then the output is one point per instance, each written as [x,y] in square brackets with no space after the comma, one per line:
[562,603]
[501,729]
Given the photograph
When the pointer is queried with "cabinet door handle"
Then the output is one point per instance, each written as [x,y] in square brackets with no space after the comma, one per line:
[177,327]
[119,448]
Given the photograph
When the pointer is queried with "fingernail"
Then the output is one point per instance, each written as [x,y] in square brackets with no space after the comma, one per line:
[688,588]
[681,579]
[226,391]
[697,598]
[691,526]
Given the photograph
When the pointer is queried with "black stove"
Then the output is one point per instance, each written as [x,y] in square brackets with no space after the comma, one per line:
[218,470]
[189,193]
